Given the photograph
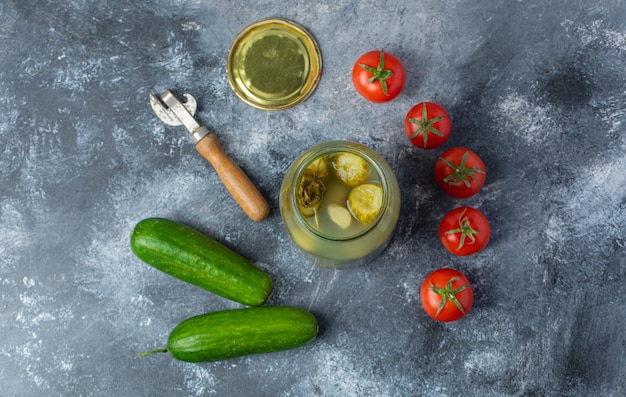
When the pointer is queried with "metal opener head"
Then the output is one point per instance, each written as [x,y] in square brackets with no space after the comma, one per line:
[173,111]
[166,114]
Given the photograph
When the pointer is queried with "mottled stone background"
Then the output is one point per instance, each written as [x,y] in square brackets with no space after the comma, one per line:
[536,88]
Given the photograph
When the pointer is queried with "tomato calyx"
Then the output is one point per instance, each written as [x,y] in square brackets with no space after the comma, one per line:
[462,173]
[425,125]
[466,230]
[379,73]
[448,293]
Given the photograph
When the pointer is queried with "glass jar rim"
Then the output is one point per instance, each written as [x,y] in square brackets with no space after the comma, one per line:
[331,147]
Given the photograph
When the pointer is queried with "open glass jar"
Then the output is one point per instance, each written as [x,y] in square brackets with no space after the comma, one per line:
[340,202]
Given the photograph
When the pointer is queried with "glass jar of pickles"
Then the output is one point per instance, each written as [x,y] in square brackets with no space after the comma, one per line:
[340,202]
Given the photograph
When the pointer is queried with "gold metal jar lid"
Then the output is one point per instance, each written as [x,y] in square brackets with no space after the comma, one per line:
[274,64]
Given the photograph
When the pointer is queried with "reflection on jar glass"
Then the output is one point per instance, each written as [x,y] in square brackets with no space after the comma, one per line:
[340,202]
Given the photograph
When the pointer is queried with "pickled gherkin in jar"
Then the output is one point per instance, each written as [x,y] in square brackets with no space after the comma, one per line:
[311,188]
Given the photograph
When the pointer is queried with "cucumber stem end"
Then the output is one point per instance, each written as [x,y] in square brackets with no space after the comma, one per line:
[148,353]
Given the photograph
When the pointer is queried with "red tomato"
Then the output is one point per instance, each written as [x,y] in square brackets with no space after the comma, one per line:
[446,295]
[460,172]
[378,76]
[427,125]
[464,231]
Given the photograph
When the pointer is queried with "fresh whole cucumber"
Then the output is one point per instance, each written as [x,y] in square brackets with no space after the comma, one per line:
[238,332]
[189,255]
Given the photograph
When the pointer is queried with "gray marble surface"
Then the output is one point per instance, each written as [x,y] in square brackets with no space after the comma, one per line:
[536,88]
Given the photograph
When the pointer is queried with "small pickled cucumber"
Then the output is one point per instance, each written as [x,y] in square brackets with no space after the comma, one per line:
[319,167]
[310,193]
[311,188]
[365,202]
[351,169]
[339,215]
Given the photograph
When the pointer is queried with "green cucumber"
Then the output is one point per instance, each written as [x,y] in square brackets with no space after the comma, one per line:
[189,255]
[239,332]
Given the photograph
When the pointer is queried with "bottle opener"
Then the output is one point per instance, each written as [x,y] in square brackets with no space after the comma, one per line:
[173,111]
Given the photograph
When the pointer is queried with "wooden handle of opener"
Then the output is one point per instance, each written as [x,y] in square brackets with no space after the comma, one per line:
[236,181]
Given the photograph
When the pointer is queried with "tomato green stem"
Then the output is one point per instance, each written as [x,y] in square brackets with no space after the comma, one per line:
[448,294]
[425,125]
[461,173]
[465,228]
[379,73]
